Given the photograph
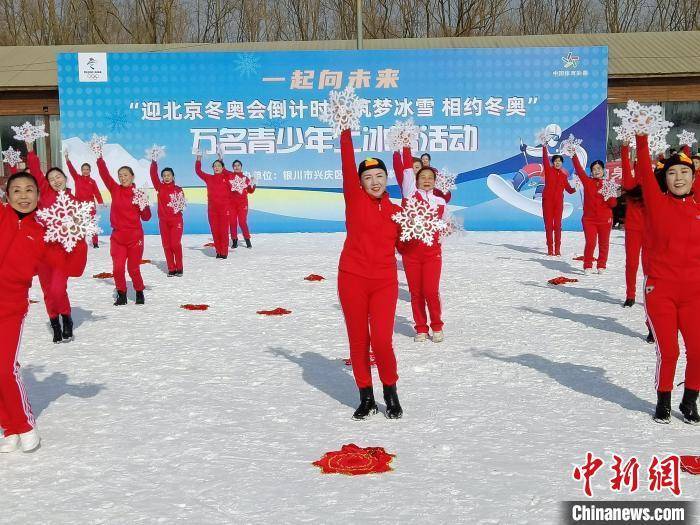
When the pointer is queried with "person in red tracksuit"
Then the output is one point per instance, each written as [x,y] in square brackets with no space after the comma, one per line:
[22,251]
[672,284]
[422,263]
[368,286]
[86,189]
[556,180]
[218,203]
[597,215]
[169,219]
[54,281]
[126,241]
[238,211]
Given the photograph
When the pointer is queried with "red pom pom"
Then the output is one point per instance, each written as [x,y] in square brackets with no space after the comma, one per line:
[276,311]
[209,245]
[32,301]
[353,461]
[145,261]
[561,280]
[580,258]
[314,277]
[103,275]
[195,306]
[690,464]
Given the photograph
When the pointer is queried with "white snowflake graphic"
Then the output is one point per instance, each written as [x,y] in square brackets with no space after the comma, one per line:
[625,135]
[453,225]
[238,184]
[28,132]
[178,203]
[610,189]
[247,64]
[568,146]
[403,134]
[11,156]
[343,110]
[68,221]
[686,138]
[155,152]
[419,221]
[117,121]
[643,120]
[657,141]
[140,199]
[96,144]
[446,181]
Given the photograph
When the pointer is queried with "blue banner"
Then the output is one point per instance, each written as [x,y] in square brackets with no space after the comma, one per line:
[479,111]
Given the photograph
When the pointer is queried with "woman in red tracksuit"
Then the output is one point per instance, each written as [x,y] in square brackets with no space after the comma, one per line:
[22,251]
[218,203]
[634,226]
[422,263]
[54,281]
[86,189]
[556,180]
[597,215]
[368,286]
[126,241]
[169,219]
[672,284]
[238,211]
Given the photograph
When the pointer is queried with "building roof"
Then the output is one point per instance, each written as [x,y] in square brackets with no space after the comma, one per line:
[631,55]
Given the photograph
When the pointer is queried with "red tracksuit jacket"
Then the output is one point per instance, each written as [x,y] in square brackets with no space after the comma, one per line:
[634,213]
[595,207]
[165,194]
[86,189]
[218,186]
[124,215]
[370,245]
[555,180]
[236,197]
[407,162]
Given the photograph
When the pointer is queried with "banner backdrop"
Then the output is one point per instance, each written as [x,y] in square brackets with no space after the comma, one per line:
[478,110]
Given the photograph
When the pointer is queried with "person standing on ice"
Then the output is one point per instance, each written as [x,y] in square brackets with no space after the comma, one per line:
[54,281]
[597,215]
[422,263]
[86,189]
[241,186]
[170,223]
[218,203]
[126,241]
[368,285]
[556,180]
[22,252]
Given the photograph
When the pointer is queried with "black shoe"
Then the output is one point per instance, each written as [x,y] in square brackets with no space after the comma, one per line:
[234,243]
[650,337]
[178,273]
[248,244]
[140,299]
[663,408]
[67,327]
[57,332]
[628,303]
[172,273]
[367,406]
[391,398]
[121,298]
[95,245]
[218,256]
[223,257]
[689,407]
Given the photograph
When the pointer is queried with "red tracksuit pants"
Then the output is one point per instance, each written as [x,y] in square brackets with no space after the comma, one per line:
[423,276]
[238,216]
[127,251]
[634,240]
[596,232]
[54,284]
[15,411]
[218,222]
[369,306]
[94,237]
[674,306]
[552,210]
[171,238]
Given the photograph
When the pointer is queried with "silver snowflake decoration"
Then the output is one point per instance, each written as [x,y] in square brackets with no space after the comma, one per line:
[238,184]
[642,120]
[453,225]
[68,221]
[140,199]
[155,152]
[657,141]
[625,135]
[178,203]
[419,221]
[446,181]
[568,146]
[11,156]
[97,143]
[28,132]
[342,111]
[403,134]
[686,138]
[247,64]
[610,189]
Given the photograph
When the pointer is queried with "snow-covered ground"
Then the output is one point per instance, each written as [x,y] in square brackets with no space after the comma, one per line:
[157,414]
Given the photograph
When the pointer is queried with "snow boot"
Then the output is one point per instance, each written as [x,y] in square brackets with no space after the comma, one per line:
[247,243]
[438,337]
[628,303]
[121,298]
[30,441]
[234,243]
[689,407]
[67,327]
[9,444]
[172,273]
[663,408]
[368,407]
[420,338]
[650,337]
[178,273]
[140,299]
[391,398]
[57,332]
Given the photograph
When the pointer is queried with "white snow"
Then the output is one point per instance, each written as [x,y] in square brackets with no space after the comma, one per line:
[156,414]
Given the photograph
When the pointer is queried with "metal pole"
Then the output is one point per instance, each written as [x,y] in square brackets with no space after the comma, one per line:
[359,24]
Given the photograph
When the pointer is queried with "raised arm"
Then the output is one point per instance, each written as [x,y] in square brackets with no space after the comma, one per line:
[154,175]
[71,169]
[198,170]
[34,166]
[351,180]
[650,186]
[585,180]
[628,180]
[106,177]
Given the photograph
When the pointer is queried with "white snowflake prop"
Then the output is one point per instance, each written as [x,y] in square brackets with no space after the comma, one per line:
[11,156]
[644,120]
[657,141]
[342,111]
[238,184]
[155,152]
[625,135]
[178,203]
[445,181]
[68,221]
[140,199]
[28,132]
[96,144]
[453,225]
[419,221]
[610,189]
[541,136]
[403,134]
[568,146]
[686,138]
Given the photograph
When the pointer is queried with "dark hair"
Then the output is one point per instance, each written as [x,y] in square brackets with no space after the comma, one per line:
[167,169]
[599,163]
[426,168]
[21,175]
[85,164]
[635,194]
[416,159]
[426,155]
[128,168]
[55,169]
[555,157]
[221,163]
[239,162]
[660,174]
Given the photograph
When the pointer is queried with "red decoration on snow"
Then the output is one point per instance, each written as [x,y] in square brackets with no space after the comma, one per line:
[276,311]
[353,461]
[690,464]
[103,275]
[580,258]
[32,301]
[314,277]
[195,306]
[209,245]
[561,280]
[146,261]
